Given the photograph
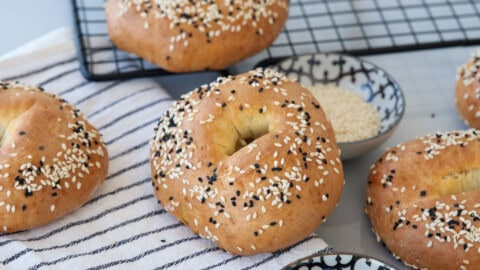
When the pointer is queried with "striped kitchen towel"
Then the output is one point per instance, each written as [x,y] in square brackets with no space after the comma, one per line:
[122,226]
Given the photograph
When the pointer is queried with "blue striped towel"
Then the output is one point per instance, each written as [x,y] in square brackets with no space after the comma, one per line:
[122,226]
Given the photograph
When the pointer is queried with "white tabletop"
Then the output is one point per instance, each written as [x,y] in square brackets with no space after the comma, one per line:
[428,86]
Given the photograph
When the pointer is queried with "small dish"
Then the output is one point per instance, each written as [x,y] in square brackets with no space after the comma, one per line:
[338,261]
[373,84]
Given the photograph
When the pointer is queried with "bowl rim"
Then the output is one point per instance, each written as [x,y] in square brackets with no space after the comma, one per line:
[334,253]
[391,127]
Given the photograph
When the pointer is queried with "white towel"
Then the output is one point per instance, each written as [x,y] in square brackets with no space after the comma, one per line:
[122,226]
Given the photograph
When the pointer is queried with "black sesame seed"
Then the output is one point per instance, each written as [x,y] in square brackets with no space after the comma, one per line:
[28,193]
[21,133]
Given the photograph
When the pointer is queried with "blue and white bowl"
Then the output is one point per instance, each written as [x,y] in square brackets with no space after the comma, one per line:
[338,261]
[359,76]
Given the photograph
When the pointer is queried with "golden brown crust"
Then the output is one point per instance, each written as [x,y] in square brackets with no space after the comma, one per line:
[419,210]
[51,158]
[467,91]
[181,37]
[261,197]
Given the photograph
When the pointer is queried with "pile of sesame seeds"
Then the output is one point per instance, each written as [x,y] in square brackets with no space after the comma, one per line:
[299,156]
[351,117]
[36,171]
[212,18]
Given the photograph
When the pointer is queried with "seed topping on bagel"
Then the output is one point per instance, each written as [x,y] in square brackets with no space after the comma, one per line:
[30,171]
[427,185]
[209,17]
[276,181]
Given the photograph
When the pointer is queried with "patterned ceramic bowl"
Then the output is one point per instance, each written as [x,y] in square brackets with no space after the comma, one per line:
[338,261]
[373,84]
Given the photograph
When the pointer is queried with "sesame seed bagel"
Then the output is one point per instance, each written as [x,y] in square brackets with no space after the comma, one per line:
[183,36]
[51,158]
[249,161]
[467,91]
[423,200]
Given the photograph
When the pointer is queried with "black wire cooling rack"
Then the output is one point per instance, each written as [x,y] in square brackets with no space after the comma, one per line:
[356,27]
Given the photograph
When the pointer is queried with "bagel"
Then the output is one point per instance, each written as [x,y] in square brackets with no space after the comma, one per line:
[184,36]
[51,158]
[249,161]
[423,200]
[467,91]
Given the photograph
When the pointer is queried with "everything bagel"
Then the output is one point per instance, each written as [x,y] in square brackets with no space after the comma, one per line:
[182,36]
[249,161]
[51,158]
[423,200]
[467,91]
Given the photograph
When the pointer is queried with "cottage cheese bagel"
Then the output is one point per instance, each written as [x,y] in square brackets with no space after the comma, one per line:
[51,158]
[423,200]
[467,91]
[249,161]
[182,36]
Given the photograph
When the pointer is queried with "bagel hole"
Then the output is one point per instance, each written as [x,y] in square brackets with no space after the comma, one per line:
[247,138]
[8,119]
[2,135]
[460,182]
